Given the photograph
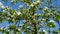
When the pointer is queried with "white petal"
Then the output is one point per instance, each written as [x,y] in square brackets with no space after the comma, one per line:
[35,3]
[4,11]
[35,14]
[18,13]
[12,16]
[46,7]
[2,7]
[43,19]
[32,5]
[51,21]
[38,1]
[18,29]
[44,31]
[8,18]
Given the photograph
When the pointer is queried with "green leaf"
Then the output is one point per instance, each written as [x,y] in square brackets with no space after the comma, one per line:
[1,19]
[7,32]
[57,17]
[12,27]
[51,25]
[14,2]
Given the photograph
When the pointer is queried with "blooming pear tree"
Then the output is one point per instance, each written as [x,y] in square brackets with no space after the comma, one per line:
[32,21]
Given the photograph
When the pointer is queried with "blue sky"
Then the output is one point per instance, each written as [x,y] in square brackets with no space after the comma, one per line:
[5,23]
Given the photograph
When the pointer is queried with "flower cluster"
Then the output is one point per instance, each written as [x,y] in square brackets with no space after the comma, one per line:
[35,3]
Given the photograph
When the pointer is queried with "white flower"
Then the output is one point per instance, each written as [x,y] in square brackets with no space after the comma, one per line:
[46,7]
[35,3]
[1,5]
[18,13]
[44,31]
[43,19]
[34,19]
[8,18]
[32,5]
[18,29]
[51,21]
[28,27]
[38,1]
[4,11]
[12,15]
[35,14]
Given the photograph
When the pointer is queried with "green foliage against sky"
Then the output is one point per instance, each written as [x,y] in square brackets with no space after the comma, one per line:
[32,21]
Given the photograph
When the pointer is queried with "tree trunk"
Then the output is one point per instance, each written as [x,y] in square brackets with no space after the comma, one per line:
[35,28]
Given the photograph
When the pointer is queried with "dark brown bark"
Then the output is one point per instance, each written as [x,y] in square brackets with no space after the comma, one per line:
[34,24]
[35,28]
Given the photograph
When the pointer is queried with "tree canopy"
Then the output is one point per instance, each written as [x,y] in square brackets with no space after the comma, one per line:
[31,19]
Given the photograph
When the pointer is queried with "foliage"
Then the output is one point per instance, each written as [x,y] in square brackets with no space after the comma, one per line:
[32,21]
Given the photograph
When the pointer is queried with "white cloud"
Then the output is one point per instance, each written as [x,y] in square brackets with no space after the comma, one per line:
[0,4]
